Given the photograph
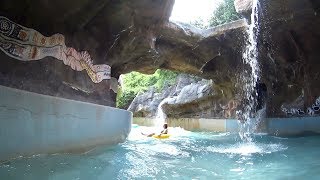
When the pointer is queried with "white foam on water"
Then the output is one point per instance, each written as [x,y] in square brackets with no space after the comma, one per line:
[248,148]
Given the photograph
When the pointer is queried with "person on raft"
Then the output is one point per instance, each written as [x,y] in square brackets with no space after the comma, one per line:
[164,131]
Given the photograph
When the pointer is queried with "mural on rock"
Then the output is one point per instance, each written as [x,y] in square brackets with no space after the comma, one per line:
[27,44]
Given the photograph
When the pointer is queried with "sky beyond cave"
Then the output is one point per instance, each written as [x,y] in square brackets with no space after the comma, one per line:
[190,10]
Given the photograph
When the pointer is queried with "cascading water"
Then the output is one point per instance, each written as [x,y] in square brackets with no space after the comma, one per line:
[161,116]
[250,78]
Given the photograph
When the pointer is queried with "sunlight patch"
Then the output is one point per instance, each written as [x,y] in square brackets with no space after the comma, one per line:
[189,11]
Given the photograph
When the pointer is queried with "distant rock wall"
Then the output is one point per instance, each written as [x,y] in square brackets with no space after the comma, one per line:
[189,97]
[146,104]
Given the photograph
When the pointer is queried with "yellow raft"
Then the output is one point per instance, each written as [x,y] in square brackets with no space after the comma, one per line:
[161,136]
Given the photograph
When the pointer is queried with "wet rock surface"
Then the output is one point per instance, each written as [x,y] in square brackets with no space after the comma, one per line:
[289,42]
[137,35]
[189,97]
[146,104]
[127,35]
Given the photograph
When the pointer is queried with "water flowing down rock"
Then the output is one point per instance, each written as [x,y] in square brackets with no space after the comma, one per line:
[138,36]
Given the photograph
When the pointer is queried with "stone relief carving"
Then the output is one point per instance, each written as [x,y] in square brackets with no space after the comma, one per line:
[27,44]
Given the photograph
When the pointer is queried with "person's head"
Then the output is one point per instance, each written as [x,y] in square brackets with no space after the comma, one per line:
[165,125]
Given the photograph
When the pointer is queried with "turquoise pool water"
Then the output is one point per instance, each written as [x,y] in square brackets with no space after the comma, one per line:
[186,155]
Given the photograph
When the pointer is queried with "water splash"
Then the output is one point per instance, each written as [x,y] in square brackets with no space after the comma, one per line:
[250,78]
[247,148]
[161,116]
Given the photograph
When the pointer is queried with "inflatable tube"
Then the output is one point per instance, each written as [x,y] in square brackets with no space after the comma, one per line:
[162,136]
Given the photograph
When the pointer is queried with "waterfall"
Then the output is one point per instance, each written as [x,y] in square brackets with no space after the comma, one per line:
[250,79]
[161,116]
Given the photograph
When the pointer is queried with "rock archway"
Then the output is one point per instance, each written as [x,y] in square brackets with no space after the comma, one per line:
[137,35]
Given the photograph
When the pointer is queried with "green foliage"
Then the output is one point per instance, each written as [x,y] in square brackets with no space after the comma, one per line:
[136,82]
[164,77]
[225,13]
[199,24]
[124,98]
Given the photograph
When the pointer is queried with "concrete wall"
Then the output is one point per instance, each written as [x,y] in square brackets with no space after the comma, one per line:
[216,125]
[32,124]
[272,126]
[293,126]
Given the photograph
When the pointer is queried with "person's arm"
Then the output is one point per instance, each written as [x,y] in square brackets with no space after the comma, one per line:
[160,133]
[165,131]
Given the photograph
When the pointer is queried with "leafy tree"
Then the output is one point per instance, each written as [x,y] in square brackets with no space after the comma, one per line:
[165,77]
[136,82]
[199,23]
[224,13]
[124,98]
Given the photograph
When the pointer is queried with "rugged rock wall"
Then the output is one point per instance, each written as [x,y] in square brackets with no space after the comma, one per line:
[288,54]
[91,26]
[136,35]
[190,97]
[127,35]
[146,104]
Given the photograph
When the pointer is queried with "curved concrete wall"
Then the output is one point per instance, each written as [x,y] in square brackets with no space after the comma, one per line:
[294,126]
[32,124]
